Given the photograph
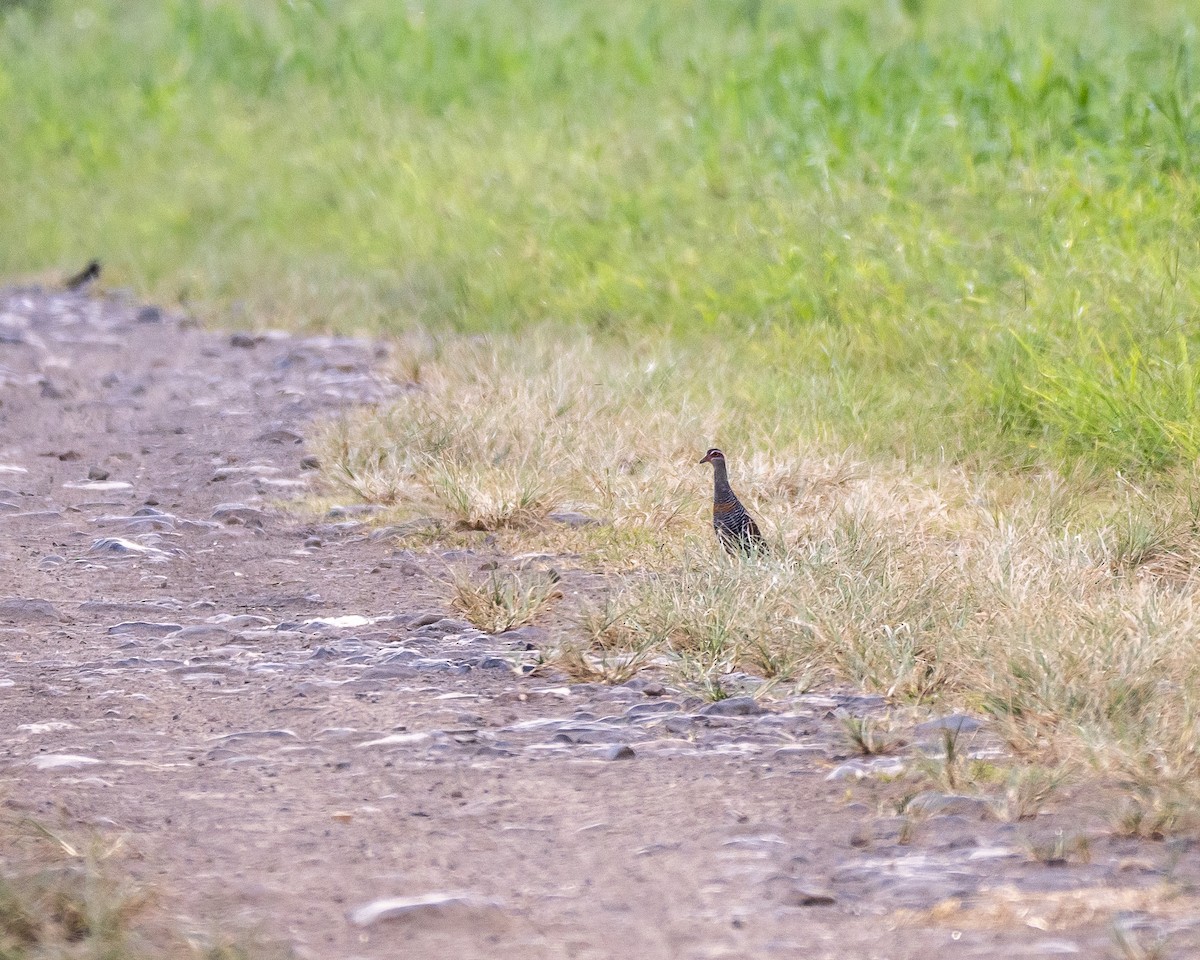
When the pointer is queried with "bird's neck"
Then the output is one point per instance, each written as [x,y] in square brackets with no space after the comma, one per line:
[722,491]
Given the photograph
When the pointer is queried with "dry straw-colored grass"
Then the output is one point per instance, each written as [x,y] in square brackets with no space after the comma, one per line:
[1064,606]
[67,895]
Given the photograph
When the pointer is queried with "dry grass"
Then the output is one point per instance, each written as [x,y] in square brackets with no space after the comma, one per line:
[65,896]
[1065,606]
[502,601]
[1006,907]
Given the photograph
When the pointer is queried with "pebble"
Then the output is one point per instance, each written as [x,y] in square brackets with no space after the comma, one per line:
[120,547]
[955,723]
[238,513]
[619,751]
[571,518]
[733,707]
[930,803]
[142,628]
[411,908]
[62,761]
[861,769]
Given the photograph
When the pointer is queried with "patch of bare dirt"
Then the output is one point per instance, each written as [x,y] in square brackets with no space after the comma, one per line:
[297,736]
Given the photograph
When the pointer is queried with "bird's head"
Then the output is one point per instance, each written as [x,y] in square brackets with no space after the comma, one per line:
[713,456]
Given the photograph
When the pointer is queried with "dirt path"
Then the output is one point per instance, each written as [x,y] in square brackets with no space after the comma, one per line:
[286,721]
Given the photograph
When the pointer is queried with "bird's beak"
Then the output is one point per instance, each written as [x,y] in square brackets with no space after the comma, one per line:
[707,459]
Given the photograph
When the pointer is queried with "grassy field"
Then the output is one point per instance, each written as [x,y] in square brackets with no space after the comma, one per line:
[927,270]
[927,228]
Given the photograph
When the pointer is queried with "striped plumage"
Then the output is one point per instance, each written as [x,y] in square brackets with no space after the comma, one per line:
[735,528]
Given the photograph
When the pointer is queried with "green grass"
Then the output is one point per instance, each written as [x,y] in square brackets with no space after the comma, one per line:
[925,228]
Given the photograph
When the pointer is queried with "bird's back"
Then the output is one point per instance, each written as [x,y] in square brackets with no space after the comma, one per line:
[735,528]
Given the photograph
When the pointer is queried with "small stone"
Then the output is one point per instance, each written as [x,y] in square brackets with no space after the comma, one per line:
[119,547]
[97,473]
[98,485]
[733,707]
[310,462]
[570,518]
[247,341]
[861,769]
[619,751]
[281,436]
[930,803]
[61,761]
[654,689]
[353,510]
[238,513]
[141,628]
[651,709]
[954,723]
[400,908]
[494,663]
[149,315]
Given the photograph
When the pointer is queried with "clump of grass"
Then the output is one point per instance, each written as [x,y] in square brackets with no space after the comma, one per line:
[1153,811]
[868,735]
[59,894]
[1130,943]
[503,600]
[609,667]
[68,896]
[499,435]
[1060,848]
[1028,790]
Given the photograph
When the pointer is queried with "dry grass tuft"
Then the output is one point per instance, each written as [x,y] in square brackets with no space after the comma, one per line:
[1007,907]
[502,600]
[63,896]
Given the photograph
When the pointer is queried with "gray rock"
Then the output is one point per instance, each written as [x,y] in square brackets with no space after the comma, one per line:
[120,547]
[142,628]
[353,510]
[680,724]
[238,513]
[413,908]
[930,803]
[149,315]
[570,518]
[35,516]
[446,625]
[651,709]
[26,610]
[97,473]
[62,761]
[861,769]
[955,723]
[619,751]
[280,436]
[494,663]
[733,707]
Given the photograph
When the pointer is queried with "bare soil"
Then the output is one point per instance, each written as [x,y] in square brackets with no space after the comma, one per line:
[282,714]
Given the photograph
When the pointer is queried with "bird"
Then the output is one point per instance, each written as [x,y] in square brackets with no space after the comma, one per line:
[84,277]
[736,529]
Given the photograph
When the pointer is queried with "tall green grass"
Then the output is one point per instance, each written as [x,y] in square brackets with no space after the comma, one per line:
[925,228]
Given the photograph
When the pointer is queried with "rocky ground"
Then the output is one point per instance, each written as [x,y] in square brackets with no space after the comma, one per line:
[296,736]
